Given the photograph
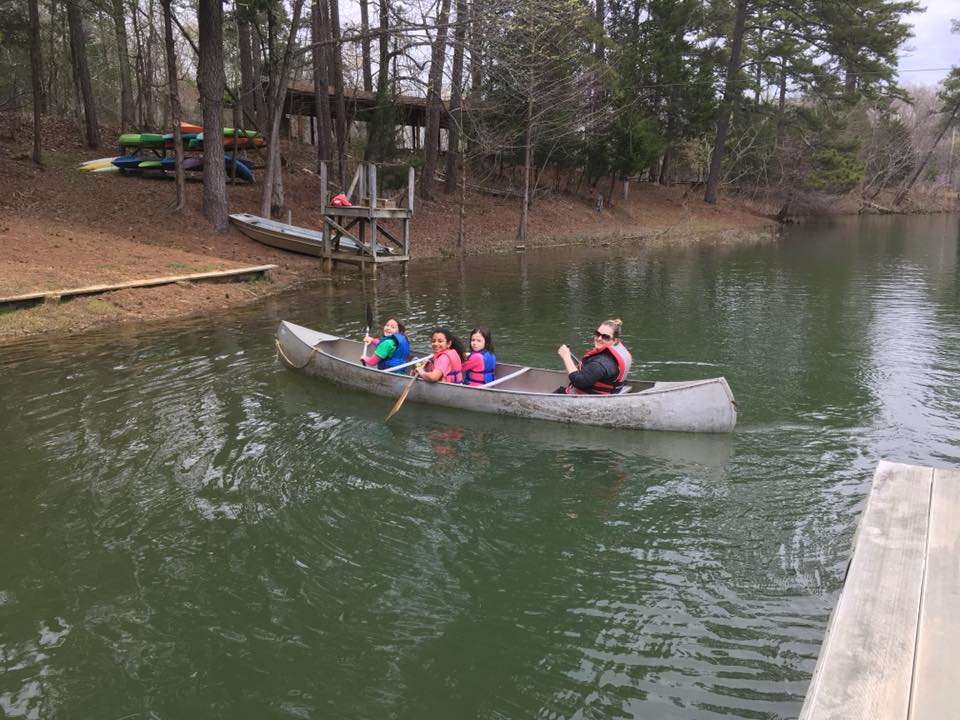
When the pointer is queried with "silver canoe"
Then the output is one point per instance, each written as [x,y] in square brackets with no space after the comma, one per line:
[291,237]
[694,406]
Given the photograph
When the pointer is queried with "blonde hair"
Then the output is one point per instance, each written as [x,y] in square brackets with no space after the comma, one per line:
[616,324]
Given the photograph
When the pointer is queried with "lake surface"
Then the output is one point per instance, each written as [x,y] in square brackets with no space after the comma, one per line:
[189,529]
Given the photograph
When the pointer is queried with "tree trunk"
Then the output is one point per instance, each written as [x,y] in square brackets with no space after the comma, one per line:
[527,152]
[926,158]
[247,79]
[665,166]
[321,83]
[431,142]
[455,123]
[381,129]
[138,66]
[726,107]
[174,92]
[272,197]
[211,82]
[336,65]
[476,48]
[149,103]
[78,51]
[259,101]
[123,58]
[36,71]
[365,45]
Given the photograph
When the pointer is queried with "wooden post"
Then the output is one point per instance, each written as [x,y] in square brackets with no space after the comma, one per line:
[323,188]
[411,188]
[323,211]
[372,170]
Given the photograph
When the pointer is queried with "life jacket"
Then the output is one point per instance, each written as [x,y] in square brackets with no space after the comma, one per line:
[340,200]
[481,377]
[452,375]
[400,353]
[624,360]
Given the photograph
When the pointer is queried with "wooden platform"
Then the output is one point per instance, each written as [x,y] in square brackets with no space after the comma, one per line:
[889,652]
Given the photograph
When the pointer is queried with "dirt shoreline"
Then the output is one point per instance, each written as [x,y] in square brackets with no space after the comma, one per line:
[61,228]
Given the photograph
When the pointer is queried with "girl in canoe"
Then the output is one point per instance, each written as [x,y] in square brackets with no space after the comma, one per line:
[604,366]
[480,361]
[447,360]
[391,349]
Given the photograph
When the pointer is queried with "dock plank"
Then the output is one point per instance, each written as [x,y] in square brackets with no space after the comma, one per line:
[865,667]
[935,689]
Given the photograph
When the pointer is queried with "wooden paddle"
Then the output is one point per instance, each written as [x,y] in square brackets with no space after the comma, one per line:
[403,395]
[367,331]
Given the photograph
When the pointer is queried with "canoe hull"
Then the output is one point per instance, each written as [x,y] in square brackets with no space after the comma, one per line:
[698,406]
[290,237]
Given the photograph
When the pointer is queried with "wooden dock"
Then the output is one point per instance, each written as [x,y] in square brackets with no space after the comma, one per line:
[889,649]
[47,296]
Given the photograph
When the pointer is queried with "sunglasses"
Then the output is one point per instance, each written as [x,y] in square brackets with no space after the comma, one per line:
[603,336]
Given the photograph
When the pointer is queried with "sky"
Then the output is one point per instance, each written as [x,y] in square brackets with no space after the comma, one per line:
[933,46]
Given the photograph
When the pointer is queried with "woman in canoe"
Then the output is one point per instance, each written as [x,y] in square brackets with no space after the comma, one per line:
[389,350]
[480,361]
[604,367]
[447,360]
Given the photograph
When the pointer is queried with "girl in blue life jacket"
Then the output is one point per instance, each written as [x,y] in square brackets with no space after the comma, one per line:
[389,350]
[479,365]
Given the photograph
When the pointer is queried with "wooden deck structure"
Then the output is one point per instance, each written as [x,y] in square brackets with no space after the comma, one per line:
[889,649]
[362,222]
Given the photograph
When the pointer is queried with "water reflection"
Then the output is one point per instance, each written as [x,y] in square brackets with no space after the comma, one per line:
[189,524]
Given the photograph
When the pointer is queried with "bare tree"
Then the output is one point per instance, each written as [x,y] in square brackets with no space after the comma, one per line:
[78,53]
[730,92]
[456,94]
[36,73]
[335,64]
[247,80]
[123,59]
[272,195]
[365,45]
[211,82]
[175,113]
[321,80]
[431,140]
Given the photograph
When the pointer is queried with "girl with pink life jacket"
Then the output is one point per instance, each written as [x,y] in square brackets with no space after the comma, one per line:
[480,363]
[447,360]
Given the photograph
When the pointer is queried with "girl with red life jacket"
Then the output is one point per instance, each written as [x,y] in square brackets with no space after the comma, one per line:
[391,349]
[480,362]
[447,360]
[604,367]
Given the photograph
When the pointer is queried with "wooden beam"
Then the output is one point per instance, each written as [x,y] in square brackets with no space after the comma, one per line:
[865,668]
[52,295]
[935,676]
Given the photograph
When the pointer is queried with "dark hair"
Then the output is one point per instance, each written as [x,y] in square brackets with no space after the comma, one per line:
[487,340]
[400,325]
[454,341]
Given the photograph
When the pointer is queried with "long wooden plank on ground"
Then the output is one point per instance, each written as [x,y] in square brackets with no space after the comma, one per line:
[866,663]
[166,280]
[936,687]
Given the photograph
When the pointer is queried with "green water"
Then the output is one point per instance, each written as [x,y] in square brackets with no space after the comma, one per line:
[190,530]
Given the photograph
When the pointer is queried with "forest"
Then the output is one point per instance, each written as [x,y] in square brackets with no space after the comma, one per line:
[777,100]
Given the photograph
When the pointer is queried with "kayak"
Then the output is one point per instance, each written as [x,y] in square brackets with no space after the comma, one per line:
[692,406]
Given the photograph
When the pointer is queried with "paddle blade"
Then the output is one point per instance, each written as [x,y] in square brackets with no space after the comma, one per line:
[400,400]
[369,317]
